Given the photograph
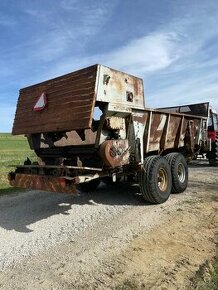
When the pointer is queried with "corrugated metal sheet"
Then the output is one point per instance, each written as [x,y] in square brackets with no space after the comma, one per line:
[70,102]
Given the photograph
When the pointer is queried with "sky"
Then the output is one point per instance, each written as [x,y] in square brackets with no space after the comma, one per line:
[171,44]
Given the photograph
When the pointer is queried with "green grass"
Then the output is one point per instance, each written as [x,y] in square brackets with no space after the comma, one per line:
[13,151]
[211,283]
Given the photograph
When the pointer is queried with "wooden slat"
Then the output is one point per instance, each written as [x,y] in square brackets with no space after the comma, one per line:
[66,87]
[70,103]
[89,71]
[59,117]
[60,101]
[74,97]
[77,105]
[69,118]
[56,126]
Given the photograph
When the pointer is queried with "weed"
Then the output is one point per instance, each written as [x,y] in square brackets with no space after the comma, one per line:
[127,285]
[207,278]
[179,209]
[191,201]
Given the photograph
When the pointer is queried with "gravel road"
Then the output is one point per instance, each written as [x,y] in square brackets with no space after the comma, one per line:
[32,221]
[58,241]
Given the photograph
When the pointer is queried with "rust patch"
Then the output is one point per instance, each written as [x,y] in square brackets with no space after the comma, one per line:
[172,131]
[42,182]
[139,117]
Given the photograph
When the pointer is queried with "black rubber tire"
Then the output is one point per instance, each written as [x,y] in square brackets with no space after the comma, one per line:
[179,171]
[89,186]
[149,179]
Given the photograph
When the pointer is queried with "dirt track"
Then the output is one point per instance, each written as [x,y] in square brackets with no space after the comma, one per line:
[108,238]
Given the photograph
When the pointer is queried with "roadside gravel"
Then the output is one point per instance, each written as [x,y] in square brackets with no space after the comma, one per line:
[31,222]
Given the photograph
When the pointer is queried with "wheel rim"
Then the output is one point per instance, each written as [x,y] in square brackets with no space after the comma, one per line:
[162,179]
[181,172]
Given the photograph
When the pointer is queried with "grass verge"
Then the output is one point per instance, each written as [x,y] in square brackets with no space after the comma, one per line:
[207,276]
[13,151]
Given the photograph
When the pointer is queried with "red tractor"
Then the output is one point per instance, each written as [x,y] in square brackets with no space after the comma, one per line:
[210,131]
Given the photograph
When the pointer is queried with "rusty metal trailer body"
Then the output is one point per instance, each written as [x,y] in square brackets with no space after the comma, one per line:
[92,124]
[210,145]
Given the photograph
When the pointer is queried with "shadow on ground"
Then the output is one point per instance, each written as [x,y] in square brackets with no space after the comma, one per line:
[17,211]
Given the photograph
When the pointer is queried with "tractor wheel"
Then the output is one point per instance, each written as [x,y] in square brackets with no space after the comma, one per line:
[155,179]
[179,171]
[89,186]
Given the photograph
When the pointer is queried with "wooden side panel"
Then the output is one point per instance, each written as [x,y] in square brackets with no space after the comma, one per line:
[70,102]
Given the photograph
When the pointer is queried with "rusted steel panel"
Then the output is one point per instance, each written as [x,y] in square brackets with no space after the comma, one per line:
[118,87]
[146,136]
[43,182]
[115,152]
[46,140]
[74,139]
[192,133]
[169,130]
[172,132]
[158,122]
[70,102]
[141,125]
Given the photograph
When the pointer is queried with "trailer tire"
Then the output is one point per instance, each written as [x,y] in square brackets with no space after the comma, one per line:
[155,180]
[179,171]
[89,186]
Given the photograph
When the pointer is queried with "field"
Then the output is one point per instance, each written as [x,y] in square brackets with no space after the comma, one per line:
[13,151]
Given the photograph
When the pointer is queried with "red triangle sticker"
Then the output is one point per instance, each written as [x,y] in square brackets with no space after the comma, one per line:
[41,102]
